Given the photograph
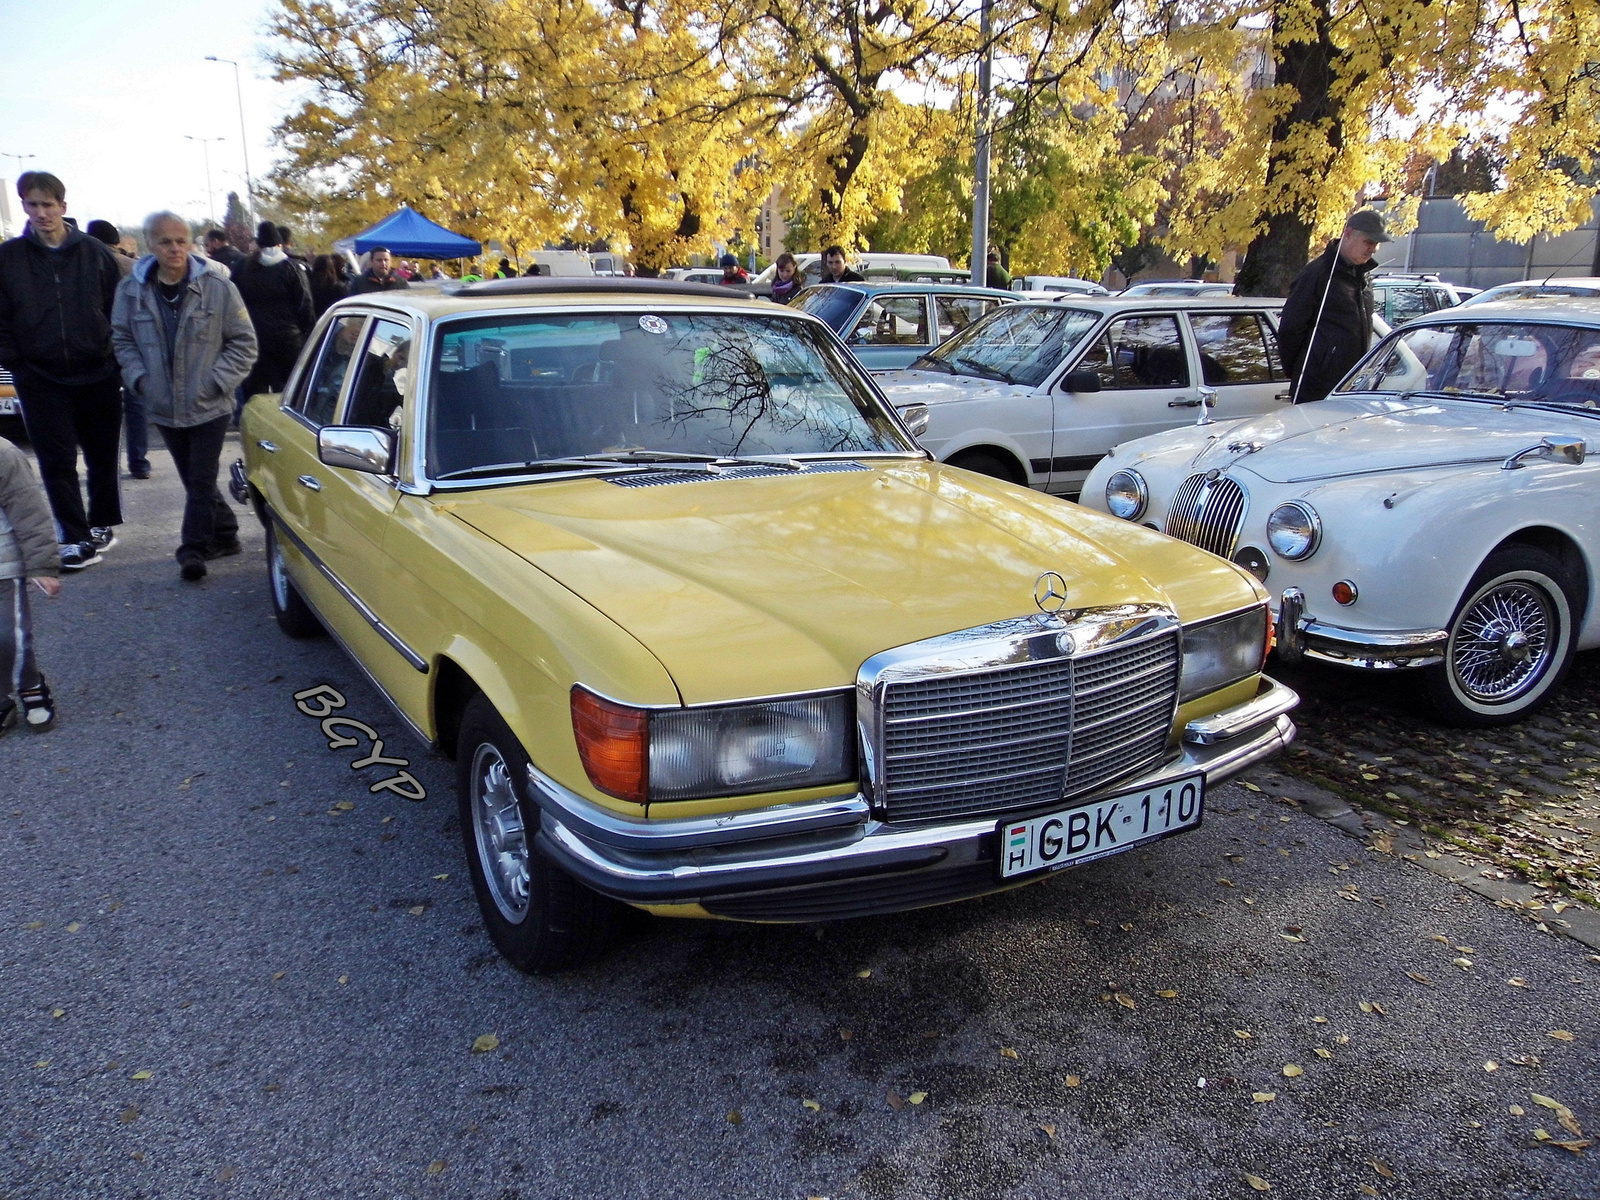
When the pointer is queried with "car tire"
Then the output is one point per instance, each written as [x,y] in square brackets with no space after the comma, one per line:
[1512,639]
[539,917]
[987,462]
[295,616]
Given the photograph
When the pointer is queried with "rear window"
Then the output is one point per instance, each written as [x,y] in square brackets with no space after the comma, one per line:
[832,305]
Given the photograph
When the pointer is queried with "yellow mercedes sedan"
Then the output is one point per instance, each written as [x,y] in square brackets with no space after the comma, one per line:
[706,632]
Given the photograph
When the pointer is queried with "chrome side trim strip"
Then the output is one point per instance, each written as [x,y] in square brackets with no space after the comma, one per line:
[1272,700]
[371,618]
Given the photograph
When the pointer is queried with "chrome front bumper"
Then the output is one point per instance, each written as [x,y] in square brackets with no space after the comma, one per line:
[768,864]
[1301,636]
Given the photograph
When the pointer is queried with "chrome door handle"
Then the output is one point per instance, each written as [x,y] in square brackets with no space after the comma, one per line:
[1183,404]
[269,447]
[310,481]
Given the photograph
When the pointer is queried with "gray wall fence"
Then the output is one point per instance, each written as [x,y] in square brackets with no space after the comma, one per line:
[1451,245]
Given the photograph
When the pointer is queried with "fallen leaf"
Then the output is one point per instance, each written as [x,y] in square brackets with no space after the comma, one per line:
[436,1166]
[1517,1110]
[1561,1035]
[863,974]
[42,1063]
[1366,1189]
[1463,963]
[1167,994]
[1378,1008]
[735,1117]
[1243,1035]
[141,1075]
[1125,1000]
[73,927]
[1291,937]
[1126,926]
[1263,1097]
[1420,978]
[1007,1052]
[1074,1080]
[1381,1167]
[1368,776]
[386,820]
[418,910]
[1491,1065]
[1465,950]
[484,1043]
[226,1173]
[846,1034]
[1524,1060]
[1439,937]
[812,1105]
[1257,1183]
[1225,883]
[343,979]
[279,976]
[1293,1071]
[1517,981]
[916,1097]
[1048,1130]
[58,1013]
[1563,1113]
[1319,1020]
[34,925]
[1343,1039]
[446,875]
[1542,1135]
[895,1099]
[273,1087]
[128,1115]
[1252,787]
[1364,1005]
[346,806]
[1575,1147]
[1321,1053]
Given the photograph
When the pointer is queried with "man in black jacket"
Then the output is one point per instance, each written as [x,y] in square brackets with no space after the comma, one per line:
[1326,324]
[56,290]
[278,298]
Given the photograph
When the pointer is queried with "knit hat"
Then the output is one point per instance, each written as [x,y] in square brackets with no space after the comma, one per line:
[104,231]
[728,260]
[267,235]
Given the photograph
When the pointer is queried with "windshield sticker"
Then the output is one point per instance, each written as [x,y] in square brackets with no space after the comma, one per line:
[652,324]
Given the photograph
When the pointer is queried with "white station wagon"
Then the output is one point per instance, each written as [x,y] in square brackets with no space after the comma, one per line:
[1037,392]
[1437,512]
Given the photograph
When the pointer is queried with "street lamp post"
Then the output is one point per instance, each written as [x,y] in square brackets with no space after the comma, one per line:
[205,147]
[244,138]
[980,179]
[21,158]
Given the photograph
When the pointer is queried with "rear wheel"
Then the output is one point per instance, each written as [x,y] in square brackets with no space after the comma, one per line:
[1511,640]
[294,615]
[536,914]
[989,462]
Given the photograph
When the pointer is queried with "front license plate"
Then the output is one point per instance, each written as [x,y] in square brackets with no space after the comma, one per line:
[1117,823]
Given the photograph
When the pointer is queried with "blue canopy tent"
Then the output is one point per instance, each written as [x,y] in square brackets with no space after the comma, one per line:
[409,234]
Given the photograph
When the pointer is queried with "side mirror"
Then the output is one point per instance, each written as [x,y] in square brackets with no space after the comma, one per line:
[1081,381]
[357,447]
[917,417]
[1572,452]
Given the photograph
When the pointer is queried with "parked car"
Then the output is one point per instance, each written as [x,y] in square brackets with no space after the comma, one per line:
[869,263]
[1178,287]
[888,325]
[1436,513]
[1036,392]
[1532,289]
[1057,283]
[696,274]
[11,425]
[1405,297]
[706,632]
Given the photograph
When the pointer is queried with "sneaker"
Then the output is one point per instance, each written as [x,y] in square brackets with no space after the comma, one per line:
[224,549]
[141,472]
[75,556]
[38,707]
[191,565]
[103,537]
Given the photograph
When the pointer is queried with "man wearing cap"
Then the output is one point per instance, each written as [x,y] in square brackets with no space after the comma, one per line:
[1326,324]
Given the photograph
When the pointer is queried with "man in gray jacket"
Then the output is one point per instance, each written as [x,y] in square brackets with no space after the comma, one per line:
[184,342]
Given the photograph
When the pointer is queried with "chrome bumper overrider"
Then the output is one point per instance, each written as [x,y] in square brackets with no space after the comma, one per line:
[1301,636]
[683,861]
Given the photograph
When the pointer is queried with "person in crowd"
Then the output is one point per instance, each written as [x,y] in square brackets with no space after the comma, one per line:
[786,281]
[219,249]
[834,269]
[330,281]
[286,240]
[732,272]
[184,341]
[504,271]
[437,272]
[56,290]
[278,297]
[135,429]
[1326,327]
[379,275]
[28,551]
[997,276]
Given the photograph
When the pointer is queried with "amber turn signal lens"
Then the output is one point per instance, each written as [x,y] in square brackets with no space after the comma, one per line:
[614,743]
[1345,592]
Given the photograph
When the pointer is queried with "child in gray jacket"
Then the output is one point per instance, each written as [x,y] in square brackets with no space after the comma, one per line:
[28,550]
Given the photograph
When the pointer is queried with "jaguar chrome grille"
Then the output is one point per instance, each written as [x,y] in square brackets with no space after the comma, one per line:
[1208,511]
[1017,736]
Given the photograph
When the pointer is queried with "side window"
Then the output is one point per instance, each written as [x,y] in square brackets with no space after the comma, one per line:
[893,321]
[1148,352]
[381,382]
[1407,304]
[955,313]
[1233,348]
[319,395]
[1098,359]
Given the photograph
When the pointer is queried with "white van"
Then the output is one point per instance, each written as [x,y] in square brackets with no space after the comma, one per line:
[869,263]
[1057,283]
[562,262]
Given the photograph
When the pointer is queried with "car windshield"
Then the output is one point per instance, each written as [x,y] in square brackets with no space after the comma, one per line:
[1528,291]
[515,391]
[833,305]
[1546,364]
[1016,343]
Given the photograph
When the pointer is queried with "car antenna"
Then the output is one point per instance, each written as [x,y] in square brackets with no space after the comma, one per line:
[1316,325]
[1565,265]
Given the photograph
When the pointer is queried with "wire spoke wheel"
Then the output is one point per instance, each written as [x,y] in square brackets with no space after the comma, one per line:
[501,835]
[1504,641]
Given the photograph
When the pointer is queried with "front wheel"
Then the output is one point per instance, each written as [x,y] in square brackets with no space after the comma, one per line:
[991,463]
[294,615]
[537,915]
[1511,640]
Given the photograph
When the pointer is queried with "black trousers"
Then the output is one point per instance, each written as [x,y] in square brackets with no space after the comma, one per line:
[196,454]
[61,418]
[274,360]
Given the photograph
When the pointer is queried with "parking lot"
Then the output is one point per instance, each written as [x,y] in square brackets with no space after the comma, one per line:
[229,969]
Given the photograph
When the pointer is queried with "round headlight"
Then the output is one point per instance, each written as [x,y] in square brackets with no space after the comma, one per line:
[1294,531]
[1126,495]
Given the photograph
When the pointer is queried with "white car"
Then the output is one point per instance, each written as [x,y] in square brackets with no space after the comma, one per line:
[1037,392]
[1436,512]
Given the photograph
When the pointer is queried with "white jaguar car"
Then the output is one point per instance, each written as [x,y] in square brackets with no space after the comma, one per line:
[1437,512]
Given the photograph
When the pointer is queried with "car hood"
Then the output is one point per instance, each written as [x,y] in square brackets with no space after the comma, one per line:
[938,387]
[1368,435]
[780,584]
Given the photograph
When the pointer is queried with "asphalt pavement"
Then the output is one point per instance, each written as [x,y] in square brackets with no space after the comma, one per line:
[229,969]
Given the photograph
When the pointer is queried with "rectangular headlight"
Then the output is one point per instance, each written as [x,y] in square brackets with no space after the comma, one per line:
[1222,651]
[768,746]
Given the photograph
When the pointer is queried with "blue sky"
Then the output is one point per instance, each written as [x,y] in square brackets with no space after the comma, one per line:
[104,92]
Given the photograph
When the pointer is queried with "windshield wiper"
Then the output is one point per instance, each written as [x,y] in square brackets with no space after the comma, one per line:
[984,372]
[927,362]
[636,460]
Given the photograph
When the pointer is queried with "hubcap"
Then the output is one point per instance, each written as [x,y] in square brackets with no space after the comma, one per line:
[279,576]
[502,839]
[1504,642]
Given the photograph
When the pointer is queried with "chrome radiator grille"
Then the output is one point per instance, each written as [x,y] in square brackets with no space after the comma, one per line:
[1208,512]
[1014,737]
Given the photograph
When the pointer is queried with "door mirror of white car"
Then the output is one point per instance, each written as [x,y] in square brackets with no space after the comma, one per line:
[1573,452]
[1080,381]
[357,447]
[917,417]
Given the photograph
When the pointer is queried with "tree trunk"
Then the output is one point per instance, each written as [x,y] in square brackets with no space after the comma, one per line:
[1277,254]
